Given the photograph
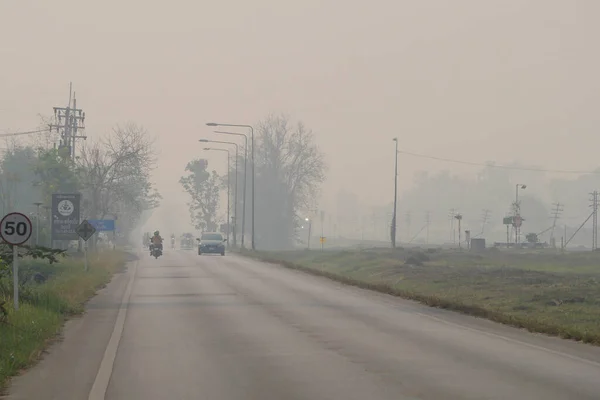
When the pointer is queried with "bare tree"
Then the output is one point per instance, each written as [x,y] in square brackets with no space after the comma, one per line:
[115,174]
[290,169]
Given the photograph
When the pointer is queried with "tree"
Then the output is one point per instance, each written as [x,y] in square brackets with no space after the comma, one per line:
[55,173]
[18,183]
[203,187]
[532,238]
[115,176]
[289,171]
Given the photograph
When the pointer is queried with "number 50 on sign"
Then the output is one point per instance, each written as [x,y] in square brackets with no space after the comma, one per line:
[15,228]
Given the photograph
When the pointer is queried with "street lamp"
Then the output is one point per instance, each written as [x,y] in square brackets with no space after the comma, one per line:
[393,230]
[253,175]
[37,223]
[235,218]
[48,217]
[228,186]
[459,217]
[309,230]
[245,177]
[517,220]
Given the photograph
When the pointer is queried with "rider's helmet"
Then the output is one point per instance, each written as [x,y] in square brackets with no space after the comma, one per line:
[156,233]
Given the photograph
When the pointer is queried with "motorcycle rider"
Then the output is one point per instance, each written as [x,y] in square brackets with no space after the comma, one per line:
[156,241]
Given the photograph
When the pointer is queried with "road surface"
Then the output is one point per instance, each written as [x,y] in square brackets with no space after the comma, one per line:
[225,328]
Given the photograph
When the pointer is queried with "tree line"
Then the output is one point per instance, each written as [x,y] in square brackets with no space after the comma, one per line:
[112,174]
[289,170]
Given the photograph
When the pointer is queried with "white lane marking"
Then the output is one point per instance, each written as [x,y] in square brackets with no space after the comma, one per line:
[100,386]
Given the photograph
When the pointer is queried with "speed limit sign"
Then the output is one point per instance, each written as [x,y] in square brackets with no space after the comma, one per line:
[15,228]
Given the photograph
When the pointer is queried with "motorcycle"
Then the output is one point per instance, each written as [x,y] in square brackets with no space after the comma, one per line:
[155,251]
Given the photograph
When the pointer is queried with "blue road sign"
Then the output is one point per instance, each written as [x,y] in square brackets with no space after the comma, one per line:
[103,225]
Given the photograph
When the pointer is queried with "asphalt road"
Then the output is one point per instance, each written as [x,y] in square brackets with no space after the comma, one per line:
[225,328]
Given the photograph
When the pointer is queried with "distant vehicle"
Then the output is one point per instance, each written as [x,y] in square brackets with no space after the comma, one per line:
[187,241]
[211,242]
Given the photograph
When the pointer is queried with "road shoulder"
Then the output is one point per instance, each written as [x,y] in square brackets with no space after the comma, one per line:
[69,366]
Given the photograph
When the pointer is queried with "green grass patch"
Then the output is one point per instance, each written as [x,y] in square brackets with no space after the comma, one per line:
[60,291]
[546,292]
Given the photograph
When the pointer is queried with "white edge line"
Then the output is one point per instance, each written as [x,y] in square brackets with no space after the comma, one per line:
[104,374]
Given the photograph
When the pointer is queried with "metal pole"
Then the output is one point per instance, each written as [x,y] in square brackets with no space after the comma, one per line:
[235,198]
[459,235]
[228,196]
[85,257]
[309,231]
[516,215]
[253,192]
[15,276]
[37,225]
[245,174]
[393,233]
[253,173]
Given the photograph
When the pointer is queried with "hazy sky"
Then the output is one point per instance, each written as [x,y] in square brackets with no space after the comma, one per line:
[475,80]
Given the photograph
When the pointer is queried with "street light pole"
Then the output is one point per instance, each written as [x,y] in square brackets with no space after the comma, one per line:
[37,223]
[518,212]
[228,186]
[235,196]
[49,226]
[393,230]
[253,172]
[245,178]
[309,220]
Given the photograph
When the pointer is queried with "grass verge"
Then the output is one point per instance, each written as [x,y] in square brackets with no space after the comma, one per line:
[553,294]
[44,307]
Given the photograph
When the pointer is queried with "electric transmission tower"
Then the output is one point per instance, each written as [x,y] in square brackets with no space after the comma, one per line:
[68,121]
[558,209]
[485,219]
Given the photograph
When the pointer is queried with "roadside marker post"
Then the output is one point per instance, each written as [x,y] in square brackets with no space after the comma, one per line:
[85,230]
[15,229]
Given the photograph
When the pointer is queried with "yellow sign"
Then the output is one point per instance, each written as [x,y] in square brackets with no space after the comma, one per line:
[322,239]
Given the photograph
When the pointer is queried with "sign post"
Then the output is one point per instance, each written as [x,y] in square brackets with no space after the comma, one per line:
[85,230]
[15,229]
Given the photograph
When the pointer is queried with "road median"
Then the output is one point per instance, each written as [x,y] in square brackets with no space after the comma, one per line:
[550,293]
[49,295]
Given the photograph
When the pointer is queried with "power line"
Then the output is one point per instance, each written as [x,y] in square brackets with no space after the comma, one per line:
[497,166]
[25,133]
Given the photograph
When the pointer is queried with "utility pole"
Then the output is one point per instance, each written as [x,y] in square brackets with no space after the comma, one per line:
[558,208]
[594,207]
[393,226]
[427,222]
[485,218]
[67,122]
[37,223]
[407,219]
[451,216]
[459,218]
[517,218]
